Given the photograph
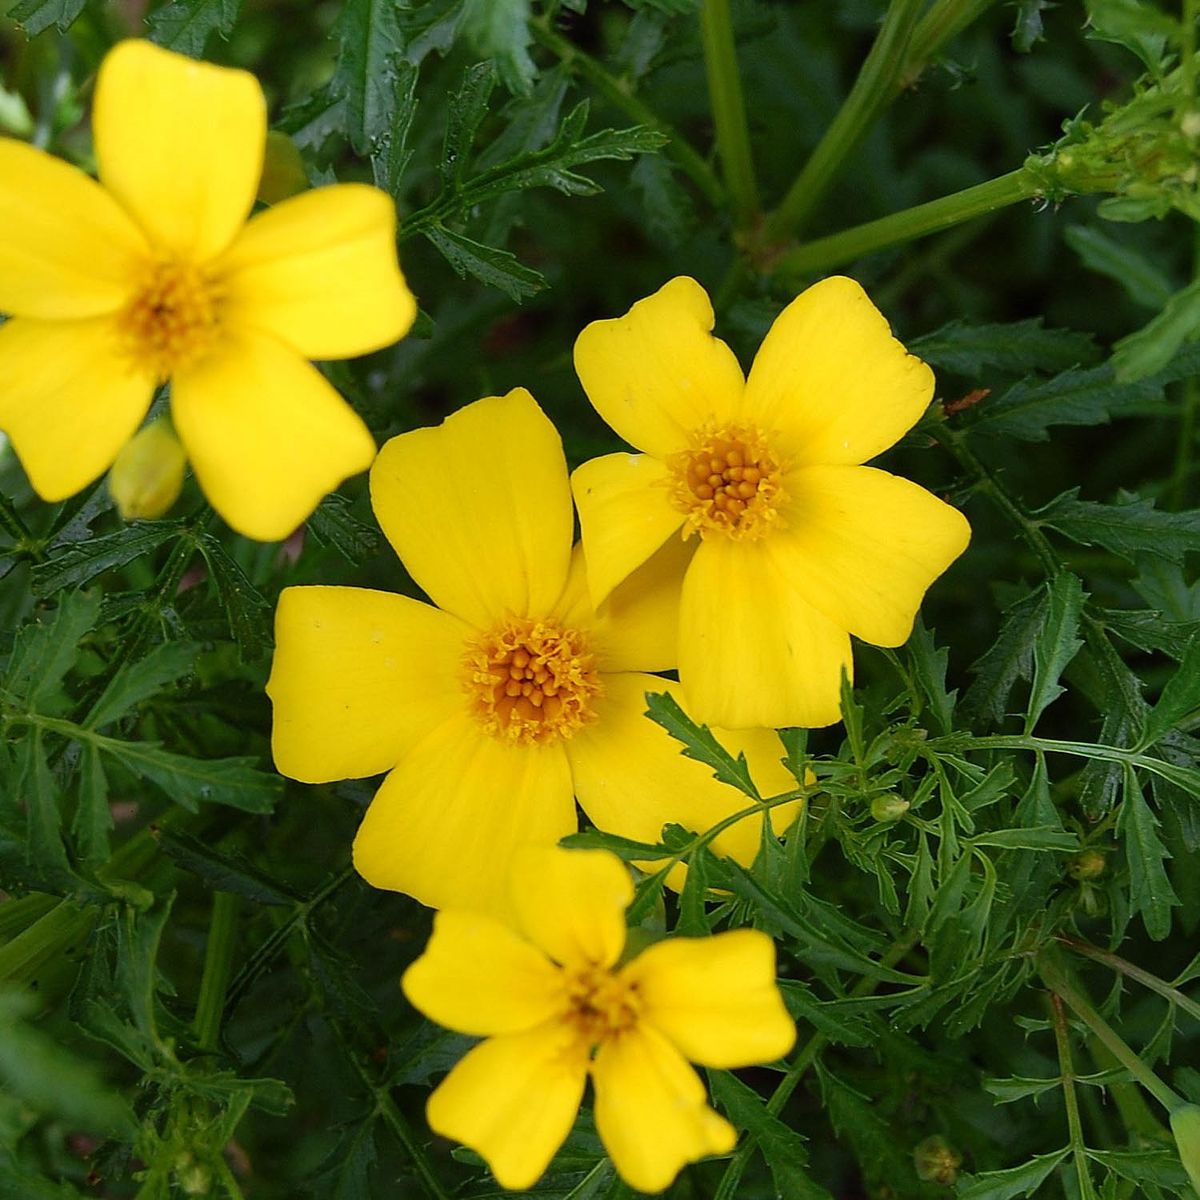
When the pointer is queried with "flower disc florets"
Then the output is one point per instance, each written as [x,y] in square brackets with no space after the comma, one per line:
[531,681]
[728,481]
[173,317]
[601,1004]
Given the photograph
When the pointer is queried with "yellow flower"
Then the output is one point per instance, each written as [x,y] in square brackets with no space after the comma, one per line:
[796,543]
[157,275]
[548,995]
[498,707]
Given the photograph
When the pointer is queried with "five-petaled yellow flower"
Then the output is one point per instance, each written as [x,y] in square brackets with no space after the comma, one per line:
[554,1005]
[798,544]
[157,276]
[498,707]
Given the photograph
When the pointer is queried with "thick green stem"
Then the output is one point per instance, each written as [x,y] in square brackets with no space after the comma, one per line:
[728,110]
[1128,969]
[1066,1067]
[1055,978]
[617,93]
[876,84]
[814,257]
[218,964]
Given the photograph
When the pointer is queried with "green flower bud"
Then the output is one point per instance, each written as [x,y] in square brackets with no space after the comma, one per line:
[889,807]
[194,1178]
[1185,1125]
[936,1161]
[1087,864]
[147,477]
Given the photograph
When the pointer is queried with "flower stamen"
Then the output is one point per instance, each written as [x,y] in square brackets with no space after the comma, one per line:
[601,1004]
[173,317]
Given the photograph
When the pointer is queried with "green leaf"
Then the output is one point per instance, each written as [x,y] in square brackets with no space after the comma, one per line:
[93,818]
[841,1028]
[1036,837]
[929,671]
[1019,347]
[247,611]
[1027,31]
[1150,891]
[1009,659]
[781,1146]
[1084,396]
[1146,629]
[138,936]
[499,30]
[1180,698]
[368,75]
[392,154]
[468,107]
[698,743]
[223,870]
[497,268]
[186,25]
[34,16]
[54,1081]
[80,561]
[1015,1181]
[1139,27]
[135,682]
[334,524]
[1056,644]
[1151,348]
[46,648]
[1144,282]
[43,811]
[1128,529]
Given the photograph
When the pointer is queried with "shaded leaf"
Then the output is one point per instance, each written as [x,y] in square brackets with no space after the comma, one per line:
[1128,529]
[497,268]
[186,25]
[698,743]
[1150,891]
[1056,643]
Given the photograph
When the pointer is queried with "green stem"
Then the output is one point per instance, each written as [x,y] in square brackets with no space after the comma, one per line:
[728,110]
[919,221]
[727,1189]
[11,523]
[944,20]
[1055,978]
[1066,1067]
[617,93]
[873,89]
[1187,55]
[218,965]
[1140,1122]
[1164,989]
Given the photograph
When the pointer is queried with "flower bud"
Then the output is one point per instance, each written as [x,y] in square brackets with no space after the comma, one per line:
[936,1161]
[147,476]
[889,807]
[1087,864]
[283,173]
[193,1177]
[1185,1125]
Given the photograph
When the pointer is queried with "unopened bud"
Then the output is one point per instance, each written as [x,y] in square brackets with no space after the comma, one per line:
[936,1161]
[1087,864]
[194,1178]
[283,173]
[889,807]
[147,477]
[1185,1125]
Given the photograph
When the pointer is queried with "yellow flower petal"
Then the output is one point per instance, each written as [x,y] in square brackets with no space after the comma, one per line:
[752,653]
[359,678]
[631,778]
[266,434]
[479,509]
[625,515]
[657,373]
[69,400]
[68,250]
[446,822]
[180,145]
[863,546]
[830,376]
[477,976]
[513,1100]
[651,1112]
[572,903]
[319,272]
[715,997]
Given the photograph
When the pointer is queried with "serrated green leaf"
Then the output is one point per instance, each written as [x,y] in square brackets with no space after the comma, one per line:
[1056,644]
[1037,837]
[83,560]
[1180,698]
[1150,891]
[841,1028]
[46,648]
[1010,658]
[1143,1167]
[392,154]
[135,682]
[497,268]
[93,818]
[1151,348]
[1015,1181]
[1027,30]
[43,811]
[34,16]
[499,30]
[929,671]
[1128,529]
[1144,282]
[693,913]
[1139,27]
[468,107]
[368,76]
[1147,629]
[186,25]
[247,611]
[139,933]
[1019,347]
[333,523]
[698,743]
[224,870]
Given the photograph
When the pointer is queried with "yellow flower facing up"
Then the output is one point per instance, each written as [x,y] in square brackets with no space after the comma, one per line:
[796,544]
[547,993]
[155,275]
[495,709]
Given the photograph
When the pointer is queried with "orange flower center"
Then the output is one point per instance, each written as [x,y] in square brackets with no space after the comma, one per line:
[531,681]
[601,1004]
[173,318]
[728,482]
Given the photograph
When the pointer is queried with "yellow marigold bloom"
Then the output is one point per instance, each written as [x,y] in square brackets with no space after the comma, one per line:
[548,995]
[155,275]
[494,710]
[796,544]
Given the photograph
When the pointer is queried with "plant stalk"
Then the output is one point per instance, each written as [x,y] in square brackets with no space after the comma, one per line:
[218,965]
